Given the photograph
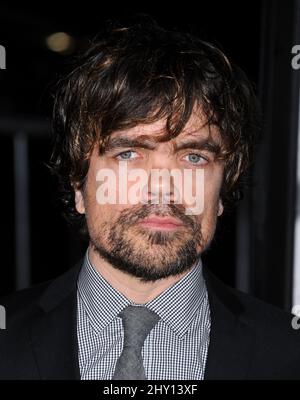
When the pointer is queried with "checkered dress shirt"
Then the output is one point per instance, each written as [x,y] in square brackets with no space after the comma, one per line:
[176,347]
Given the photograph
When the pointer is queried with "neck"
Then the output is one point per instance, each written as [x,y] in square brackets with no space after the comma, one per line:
[130,286]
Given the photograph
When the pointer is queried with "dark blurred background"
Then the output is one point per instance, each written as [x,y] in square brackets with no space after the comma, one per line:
[255,247]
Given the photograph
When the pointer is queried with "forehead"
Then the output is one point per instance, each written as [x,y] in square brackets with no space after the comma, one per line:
[195,127]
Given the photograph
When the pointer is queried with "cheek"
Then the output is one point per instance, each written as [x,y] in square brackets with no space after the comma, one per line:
[211,208]
[211,200]
[212,182]
[205,190]
[97,213]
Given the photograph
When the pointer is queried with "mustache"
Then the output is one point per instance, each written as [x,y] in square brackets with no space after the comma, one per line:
[136,213]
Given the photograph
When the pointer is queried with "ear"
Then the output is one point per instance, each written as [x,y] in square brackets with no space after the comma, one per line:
[220,208]
[79,202]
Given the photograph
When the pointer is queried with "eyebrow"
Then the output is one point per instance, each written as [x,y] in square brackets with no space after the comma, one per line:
[119,142]
[200,144]
[139,142]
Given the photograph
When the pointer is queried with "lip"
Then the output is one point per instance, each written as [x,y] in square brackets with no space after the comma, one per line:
[164,223]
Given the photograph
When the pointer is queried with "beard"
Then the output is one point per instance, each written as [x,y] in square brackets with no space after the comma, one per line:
[145,253]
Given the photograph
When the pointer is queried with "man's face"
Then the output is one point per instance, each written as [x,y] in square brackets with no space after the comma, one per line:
[155,237]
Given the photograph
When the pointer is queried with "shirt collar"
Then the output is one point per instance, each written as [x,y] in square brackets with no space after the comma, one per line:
[177,305]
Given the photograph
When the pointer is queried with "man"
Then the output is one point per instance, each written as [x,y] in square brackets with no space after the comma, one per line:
[141,305]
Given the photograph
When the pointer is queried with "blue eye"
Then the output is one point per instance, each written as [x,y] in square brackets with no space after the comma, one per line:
[125,155]
[195,158]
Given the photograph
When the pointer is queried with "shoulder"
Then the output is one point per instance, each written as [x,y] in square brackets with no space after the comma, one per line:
[270,334]
[259,313]
[21,304]
[251,307]
[270,322]
[24,305]
[277,333]
[25,296]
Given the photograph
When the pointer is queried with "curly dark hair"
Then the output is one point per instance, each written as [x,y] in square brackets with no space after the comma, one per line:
[140,73]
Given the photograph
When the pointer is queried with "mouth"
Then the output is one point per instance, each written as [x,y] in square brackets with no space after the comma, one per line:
[161,223]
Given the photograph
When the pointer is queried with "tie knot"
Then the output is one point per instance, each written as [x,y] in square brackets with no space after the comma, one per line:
[137,322]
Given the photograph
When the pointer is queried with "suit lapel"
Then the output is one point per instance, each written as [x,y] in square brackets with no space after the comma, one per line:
[54,334]
[232,341]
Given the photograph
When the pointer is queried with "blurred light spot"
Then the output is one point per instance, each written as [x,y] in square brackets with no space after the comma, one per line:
[60,42]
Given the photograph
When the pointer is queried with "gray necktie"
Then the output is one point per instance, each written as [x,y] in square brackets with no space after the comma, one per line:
[137,323]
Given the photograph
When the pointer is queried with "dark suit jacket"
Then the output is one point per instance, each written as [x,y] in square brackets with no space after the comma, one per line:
[249,339]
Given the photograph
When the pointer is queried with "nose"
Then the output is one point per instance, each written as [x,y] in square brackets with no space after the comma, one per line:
[160,187]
